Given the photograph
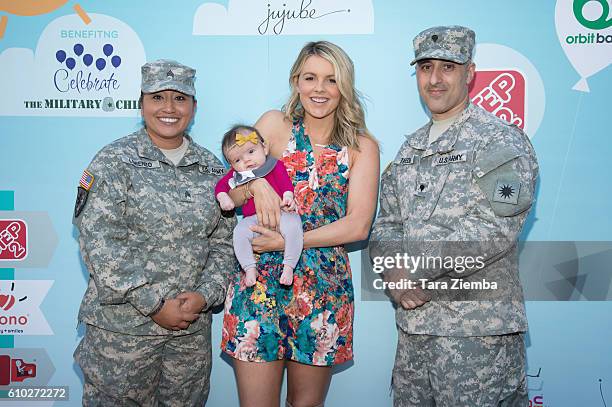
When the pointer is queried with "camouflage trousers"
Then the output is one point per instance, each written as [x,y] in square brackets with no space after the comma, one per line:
[129,370]
[459,371]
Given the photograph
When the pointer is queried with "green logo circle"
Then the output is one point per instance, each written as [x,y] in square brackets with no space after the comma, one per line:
[599,24]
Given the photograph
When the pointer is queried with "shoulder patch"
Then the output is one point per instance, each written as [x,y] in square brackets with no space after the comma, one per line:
[507,191]
[81,200]
[87,180]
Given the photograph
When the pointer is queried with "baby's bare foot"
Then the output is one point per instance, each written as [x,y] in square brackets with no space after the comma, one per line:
[286,277]
[250,277]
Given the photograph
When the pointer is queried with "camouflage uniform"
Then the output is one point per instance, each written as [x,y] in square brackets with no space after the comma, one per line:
[149,230]
[444,199]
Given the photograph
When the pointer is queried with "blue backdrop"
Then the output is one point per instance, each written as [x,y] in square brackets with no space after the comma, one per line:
[65,93]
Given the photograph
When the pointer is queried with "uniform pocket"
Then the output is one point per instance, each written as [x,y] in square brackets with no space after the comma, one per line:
[434,198]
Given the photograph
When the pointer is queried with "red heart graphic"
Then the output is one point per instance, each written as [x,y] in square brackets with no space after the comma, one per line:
[6,302]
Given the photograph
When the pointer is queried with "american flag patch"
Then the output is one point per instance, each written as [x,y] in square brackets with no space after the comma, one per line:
[87,180]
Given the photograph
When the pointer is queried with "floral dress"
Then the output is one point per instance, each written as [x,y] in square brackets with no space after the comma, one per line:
[310,321]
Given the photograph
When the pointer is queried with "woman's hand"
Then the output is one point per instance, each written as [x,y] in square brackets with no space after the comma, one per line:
[267,204]
[267,241]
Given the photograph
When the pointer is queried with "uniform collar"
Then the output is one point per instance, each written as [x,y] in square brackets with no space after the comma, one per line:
[446,142]
[148,150]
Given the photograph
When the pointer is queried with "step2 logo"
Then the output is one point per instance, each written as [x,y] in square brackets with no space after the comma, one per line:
[584,29]
[501,93]
[15,370]
[508,85]
[13,239]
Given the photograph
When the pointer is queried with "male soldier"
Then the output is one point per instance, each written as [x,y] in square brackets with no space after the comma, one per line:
[461,186]
[157,250]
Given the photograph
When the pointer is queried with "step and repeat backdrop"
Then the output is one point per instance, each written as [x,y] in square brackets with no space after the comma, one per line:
[70,82]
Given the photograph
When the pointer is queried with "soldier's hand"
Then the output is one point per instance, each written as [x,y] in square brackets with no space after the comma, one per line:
[192,302]
[413,298]
[172,317]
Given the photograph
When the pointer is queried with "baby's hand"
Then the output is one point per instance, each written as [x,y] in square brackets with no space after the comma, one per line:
[289,204]
[225,201]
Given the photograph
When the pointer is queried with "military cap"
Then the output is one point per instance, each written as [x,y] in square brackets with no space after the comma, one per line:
[451,43]
[165,74]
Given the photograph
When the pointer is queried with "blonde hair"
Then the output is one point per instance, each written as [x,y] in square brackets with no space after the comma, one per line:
[349,117]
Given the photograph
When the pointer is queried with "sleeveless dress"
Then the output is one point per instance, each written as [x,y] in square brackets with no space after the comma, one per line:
[310,321]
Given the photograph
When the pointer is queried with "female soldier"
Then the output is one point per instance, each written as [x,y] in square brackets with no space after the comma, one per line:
[157,249]
[308,327]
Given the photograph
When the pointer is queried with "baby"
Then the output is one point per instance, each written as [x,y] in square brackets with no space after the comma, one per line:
[246,152]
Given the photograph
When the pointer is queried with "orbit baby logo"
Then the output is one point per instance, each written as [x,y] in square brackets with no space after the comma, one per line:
[584,28]
[76,70]
[285,17]
[508,85]
[20,312]
[501,93]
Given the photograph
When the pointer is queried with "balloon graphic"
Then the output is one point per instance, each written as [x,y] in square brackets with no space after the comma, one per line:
[87,59]
[70,63]
[107,49]
[116,61]
[60,56]
[584,28]
[78,49]
[100,63]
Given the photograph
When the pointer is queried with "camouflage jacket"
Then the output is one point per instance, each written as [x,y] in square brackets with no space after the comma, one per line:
[150,230]
[466,194]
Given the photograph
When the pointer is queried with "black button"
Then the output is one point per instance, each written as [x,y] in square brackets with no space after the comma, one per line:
[422,187]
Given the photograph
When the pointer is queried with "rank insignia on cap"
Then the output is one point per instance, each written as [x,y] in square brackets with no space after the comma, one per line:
[170,74]
[87,180]
[507,192]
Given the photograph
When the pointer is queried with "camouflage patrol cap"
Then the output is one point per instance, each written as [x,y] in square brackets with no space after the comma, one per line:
[165,74]
[451,43]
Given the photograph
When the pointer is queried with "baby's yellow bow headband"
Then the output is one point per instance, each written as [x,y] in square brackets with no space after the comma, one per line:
[241,139]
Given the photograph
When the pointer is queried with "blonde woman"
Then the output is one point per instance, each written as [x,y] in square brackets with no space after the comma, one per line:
[333,162]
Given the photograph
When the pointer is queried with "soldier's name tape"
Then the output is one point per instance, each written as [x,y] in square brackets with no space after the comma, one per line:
[140,163]
[452,157]
[404,261]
